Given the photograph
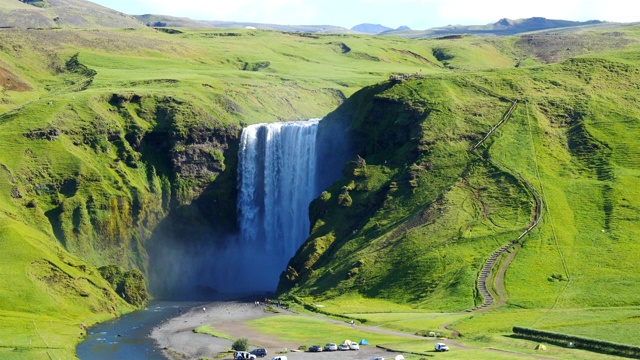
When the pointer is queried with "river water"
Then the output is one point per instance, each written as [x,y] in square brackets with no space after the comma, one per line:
[128,336]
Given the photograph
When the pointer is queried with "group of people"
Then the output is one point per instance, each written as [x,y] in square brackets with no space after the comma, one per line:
[257,302]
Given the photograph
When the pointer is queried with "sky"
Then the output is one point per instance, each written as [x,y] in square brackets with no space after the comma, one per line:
[417,14]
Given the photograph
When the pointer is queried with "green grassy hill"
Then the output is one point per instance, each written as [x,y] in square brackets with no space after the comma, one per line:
[398,229]
[449,216]
[61,13]
[111,138]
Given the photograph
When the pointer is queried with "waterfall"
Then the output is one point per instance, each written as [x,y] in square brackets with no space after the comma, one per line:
[282,167]
[276,183]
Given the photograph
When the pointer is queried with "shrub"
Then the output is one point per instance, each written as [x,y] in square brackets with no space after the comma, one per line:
[134,288]
[241,344]
[578,342]
[130,285]
[344,199]
[325,196]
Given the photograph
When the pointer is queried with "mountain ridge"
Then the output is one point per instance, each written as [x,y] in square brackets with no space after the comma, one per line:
[503,27]
[82,13]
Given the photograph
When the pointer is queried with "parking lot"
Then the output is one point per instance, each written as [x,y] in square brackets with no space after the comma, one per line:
[365,353]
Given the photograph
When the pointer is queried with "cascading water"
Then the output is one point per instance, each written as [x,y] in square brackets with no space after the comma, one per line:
[282,167]
[277,181]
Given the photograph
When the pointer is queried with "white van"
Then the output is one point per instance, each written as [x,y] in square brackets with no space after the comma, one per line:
[441,347]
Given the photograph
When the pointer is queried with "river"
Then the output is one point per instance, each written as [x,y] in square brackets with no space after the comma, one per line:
[128,336]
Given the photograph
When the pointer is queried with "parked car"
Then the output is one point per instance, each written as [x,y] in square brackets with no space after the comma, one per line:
[331,347]
[260,352]
[315,348]
[343,347]
[377,358]
[279,357]
[354,346]
[243,355]
[441,347]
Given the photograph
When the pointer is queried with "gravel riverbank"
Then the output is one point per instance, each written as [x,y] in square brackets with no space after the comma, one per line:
[176,335]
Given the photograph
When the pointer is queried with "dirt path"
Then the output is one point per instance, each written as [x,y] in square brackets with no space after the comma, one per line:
[489,266]
[501,291]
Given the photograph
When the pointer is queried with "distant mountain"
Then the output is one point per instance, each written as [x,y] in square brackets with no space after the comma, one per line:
[275,27]
[61,13]
[503,27]
[371,28]
[85,14]
[171,21]
[535,24]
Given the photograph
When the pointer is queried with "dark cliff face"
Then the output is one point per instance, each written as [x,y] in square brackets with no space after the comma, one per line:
[183,245]
[200,157]
[172,181]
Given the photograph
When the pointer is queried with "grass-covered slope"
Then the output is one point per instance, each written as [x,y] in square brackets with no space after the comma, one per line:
[416,197]
[398,229]
[61,13]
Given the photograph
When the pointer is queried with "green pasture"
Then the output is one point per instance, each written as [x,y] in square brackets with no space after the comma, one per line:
[483,343]
[309,331]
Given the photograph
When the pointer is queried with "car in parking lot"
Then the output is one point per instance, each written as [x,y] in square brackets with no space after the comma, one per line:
[315,348]
[260,352]
[243,355]
[331,347]
[343,347]
[354,346]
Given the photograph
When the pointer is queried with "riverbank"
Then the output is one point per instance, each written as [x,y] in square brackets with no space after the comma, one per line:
[177,338]
[127,337]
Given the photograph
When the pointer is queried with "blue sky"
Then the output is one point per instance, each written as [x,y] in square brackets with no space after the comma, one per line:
[417,14]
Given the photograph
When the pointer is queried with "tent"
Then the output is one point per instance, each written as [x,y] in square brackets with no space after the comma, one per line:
[347,342]
[364,342]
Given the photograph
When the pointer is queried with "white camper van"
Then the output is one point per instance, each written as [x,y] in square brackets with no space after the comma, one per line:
[441,347]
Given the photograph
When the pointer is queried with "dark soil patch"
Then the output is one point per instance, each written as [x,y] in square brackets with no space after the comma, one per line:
[11,82]
[552,48]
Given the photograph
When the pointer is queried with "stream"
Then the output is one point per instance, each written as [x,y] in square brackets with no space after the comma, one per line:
[127,337]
